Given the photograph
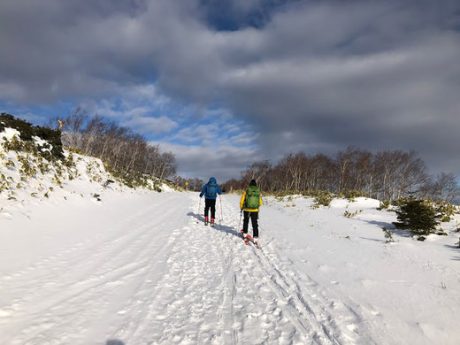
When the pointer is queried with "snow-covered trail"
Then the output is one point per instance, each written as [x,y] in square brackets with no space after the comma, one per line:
[72,294]
[219,291]
[147,271]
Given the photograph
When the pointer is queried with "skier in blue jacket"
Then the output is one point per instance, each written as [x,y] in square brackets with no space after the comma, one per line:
[210,191]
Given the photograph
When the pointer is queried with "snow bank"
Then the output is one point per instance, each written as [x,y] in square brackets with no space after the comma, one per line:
[355,203]
[26,177]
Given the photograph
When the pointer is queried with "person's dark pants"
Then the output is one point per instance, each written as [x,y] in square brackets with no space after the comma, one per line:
[210,204]
[255,226]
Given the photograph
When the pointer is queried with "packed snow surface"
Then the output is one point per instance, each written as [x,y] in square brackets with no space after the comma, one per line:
[137,267]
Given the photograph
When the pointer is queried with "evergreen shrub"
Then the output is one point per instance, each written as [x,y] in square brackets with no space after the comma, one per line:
[418,216]
[27,131]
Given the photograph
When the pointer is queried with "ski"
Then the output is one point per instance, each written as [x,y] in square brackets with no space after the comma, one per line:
[242,236]
[248,239]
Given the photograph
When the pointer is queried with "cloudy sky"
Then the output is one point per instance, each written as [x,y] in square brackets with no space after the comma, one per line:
[222,83]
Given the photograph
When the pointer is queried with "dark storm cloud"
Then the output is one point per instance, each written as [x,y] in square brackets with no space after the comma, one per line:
[232,15]
[382,76]
[70,49]
[310,75]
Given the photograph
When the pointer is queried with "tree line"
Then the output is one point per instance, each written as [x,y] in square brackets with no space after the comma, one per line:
[385,175]
[126,153]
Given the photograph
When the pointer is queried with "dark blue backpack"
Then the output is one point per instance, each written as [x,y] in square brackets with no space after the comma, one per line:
[211,191]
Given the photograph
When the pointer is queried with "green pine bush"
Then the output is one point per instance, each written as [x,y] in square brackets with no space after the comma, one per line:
[418,216]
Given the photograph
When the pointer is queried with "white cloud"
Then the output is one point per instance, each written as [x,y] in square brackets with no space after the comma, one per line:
[144,124]
[221,161]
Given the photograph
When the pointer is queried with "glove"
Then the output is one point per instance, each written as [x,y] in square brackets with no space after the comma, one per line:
[201,195]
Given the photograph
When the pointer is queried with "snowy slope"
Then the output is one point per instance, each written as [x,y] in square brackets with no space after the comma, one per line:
[28,178]
[404,292]
[140,268]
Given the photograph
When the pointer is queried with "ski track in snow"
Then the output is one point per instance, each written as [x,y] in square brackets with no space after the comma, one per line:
[183,284]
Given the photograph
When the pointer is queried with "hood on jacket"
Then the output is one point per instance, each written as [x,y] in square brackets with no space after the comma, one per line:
[212,180]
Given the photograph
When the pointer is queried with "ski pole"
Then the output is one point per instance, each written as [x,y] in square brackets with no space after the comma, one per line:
[221,216]
[199,206]
[239,223]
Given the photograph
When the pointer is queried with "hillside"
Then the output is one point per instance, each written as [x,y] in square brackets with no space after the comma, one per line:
[32,170]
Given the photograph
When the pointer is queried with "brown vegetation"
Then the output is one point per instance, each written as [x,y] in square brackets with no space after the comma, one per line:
[125,153]
[386,175]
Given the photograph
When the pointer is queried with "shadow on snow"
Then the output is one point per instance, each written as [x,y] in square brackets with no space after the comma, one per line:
[114,342]
[455,248]
[390,227]
[219,227]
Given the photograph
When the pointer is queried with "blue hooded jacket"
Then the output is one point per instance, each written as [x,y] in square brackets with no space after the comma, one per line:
[211,189]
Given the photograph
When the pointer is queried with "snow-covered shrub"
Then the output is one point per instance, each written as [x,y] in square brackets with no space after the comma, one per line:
[10,164]
[388,235]
[51,144]
[351,195]
[401,201]
[323,199]
[69,161]
[445,211]
[384,205]
[27,169]
[418,216]
[4,183]
[43,165]
[136,180]
[57,180]
[349,214]
[94,171]
[15,144]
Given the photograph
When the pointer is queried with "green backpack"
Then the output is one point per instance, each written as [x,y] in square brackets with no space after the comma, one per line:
[252,197]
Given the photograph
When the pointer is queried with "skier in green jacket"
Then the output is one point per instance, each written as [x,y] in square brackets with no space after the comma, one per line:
[250,202]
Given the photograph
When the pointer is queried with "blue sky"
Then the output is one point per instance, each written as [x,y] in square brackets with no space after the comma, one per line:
[222,83]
